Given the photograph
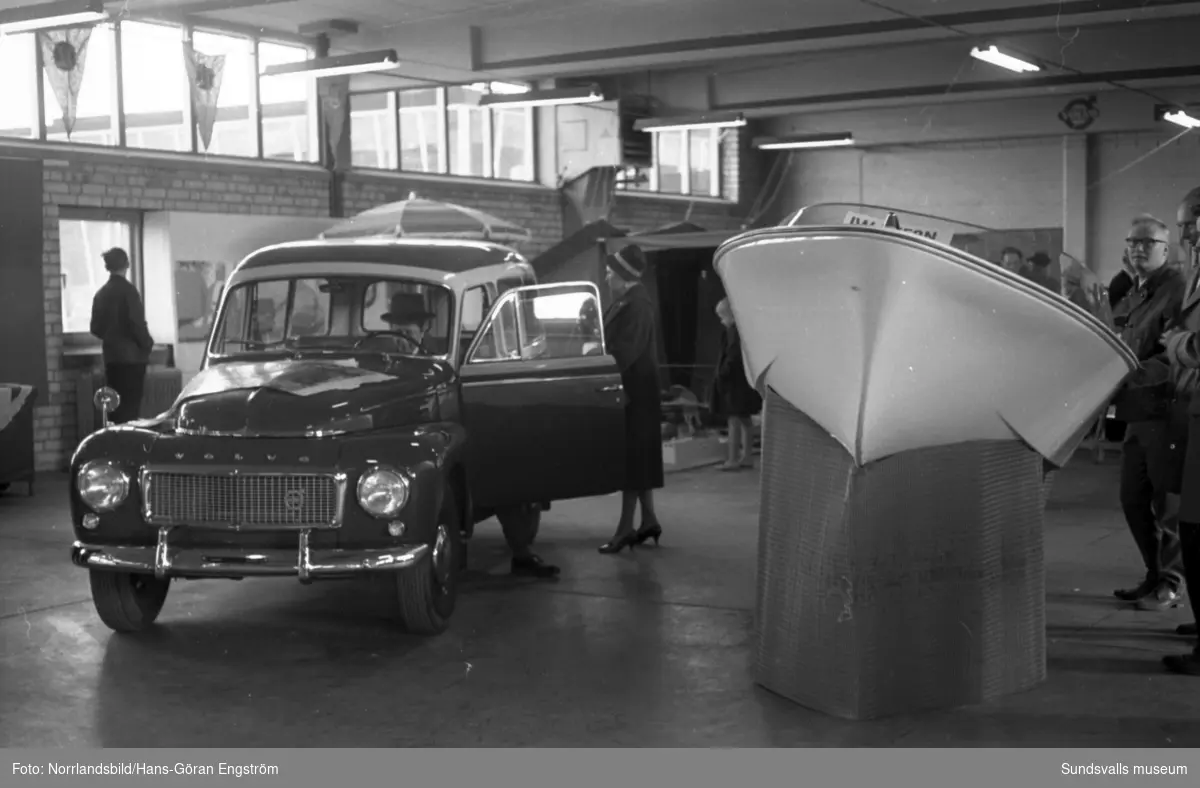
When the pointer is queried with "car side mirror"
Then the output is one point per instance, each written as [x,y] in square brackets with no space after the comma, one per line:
[107,400]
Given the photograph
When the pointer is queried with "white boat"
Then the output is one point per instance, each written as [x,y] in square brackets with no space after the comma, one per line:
[890,330]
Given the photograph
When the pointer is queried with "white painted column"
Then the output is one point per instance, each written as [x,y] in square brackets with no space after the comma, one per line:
[1075,195]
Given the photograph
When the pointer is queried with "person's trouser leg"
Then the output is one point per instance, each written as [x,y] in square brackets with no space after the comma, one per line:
[1189,539]
[1137,503]
[129,381]
[1162,466]
[519,526]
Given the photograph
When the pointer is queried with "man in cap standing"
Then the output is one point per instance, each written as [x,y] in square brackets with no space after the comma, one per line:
[119,322]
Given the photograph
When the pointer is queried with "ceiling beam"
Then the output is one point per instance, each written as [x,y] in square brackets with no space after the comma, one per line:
[1069,12]
[977,91]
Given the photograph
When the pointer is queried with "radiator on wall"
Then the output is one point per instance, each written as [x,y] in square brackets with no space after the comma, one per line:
[162,387]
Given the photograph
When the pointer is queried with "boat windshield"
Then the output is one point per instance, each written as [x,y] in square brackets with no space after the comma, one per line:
[982,242]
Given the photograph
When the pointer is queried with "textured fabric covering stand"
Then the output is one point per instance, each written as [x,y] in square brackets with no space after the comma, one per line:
[915,583]
[17,456]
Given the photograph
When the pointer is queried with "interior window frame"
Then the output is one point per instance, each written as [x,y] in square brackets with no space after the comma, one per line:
[514,295]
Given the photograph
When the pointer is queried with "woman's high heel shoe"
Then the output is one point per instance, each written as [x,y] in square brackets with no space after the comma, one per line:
[653,532]
[620,543]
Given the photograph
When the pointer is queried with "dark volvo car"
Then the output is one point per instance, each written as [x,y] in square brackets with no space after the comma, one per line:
[362,406]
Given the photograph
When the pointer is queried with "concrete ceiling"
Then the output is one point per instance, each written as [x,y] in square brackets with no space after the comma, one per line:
[764,57]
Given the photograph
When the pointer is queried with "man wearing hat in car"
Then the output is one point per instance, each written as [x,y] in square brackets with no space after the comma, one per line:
[409,320]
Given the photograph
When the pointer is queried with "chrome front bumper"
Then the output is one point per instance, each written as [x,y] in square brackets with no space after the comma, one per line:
[307,564]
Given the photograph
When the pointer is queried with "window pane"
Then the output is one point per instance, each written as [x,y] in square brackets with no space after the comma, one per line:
[420,139]
[233,132]
[464,120]
[512,159]
[669,155]
[155,82]
[500,340]
[286,106]
[18,107]
[373,131]
[701,143]
[80,244]
[97,95]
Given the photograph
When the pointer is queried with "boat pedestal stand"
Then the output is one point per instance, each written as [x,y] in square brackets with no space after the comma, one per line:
[912,584]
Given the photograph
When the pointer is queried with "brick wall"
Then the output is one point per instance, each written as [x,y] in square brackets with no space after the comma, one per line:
[75,178]
[530,206]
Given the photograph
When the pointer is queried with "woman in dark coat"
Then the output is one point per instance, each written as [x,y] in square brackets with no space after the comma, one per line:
[631,333]
[732,396]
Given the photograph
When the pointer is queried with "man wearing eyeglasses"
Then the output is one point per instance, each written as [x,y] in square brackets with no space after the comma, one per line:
[1150,459]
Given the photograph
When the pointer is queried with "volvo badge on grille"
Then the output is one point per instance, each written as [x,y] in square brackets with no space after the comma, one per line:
[293,500]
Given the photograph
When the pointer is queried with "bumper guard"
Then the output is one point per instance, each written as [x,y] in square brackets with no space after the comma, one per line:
[307,564]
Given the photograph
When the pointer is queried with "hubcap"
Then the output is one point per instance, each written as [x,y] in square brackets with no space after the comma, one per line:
[441,556]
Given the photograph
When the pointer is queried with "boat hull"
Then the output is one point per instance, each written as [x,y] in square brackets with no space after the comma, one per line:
[892,342]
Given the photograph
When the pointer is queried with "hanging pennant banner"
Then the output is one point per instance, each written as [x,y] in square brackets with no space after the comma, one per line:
[205,73]
[64,55]
[335,95]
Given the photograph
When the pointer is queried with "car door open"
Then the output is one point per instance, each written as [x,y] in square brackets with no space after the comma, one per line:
[542,399]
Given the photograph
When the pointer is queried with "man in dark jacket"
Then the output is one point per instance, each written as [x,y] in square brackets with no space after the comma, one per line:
[1152,305]
[119,322]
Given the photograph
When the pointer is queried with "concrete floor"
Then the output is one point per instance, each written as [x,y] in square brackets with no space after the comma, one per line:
[644,650]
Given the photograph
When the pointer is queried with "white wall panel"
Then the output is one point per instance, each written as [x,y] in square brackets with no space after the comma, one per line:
[1003,185]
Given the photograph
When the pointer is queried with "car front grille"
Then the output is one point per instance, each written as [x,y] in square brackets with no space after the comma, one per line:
[264,500]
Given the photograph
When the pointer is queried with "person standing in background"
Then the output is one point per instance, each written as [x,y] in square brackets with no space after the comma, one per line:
[732,395]
[1012,259]
[631,332]
[119,322]
[1149,452]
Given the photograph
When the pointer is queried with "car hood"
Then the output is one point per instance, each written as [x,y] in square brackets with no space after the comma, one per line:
[305,398]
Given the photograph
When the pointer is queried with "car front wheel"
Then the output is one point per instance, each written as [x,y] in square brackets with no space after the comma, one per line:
[128,602]
[426,594]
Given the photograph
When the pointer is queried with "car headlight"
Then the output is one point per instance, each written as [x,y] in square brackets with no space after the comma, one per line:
[382,492]
[102,485]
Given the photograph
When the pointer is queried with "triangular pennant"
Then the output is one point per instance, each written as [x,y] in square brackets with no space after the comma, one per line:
[205,73]
[64,57]
[335,95]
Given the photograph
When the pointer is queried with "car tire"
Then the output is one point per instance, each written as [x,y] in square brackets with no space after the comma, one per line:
[128,602]
[427,593]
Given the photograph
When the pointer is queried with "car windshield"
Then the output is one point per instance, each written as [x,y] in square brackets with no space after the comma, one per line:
[982,242]
[343,313]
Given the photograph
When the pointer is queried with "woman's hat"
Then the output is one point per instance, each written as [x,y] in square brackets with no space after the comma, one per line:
[407,308]
[628,263]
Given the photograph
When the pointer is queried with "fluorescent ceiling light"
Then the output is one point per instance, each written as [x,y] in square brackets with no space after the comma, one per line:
[503,88]
[1181,118]
[53,15]
[809,141]
[544,98]
[722,121]
[357,63]
[998,58]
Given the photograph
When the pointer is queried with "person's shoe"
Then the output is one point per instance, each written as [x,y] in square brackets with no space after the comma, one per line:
[1136,593]
[1184,664]
[1186,630]
[1164,597]
[652,532]
[619,543]
[533,566]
